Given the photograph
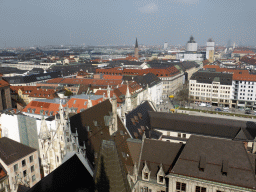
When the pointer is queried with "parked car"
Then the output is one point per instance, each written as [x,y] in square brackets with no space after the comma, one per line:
[208,105]
[202,105]
[218,109]
[247,112]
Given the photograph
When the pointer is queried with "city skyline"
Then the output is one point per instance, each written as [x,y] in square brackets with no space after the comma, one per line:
[153,22]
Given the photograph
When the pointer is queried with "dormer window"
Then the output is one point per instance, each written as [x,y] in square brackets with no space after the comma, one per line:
[160,175]
[140,115]
[145,172]
[160,179]
[146,176]
[136,119]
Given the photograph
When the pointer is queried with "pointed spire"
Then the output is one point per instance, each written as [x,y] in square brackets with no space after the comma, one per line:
[136,43]
[128,102]
[127,91]
[108,92]
[44,131]
[89,104]
[103,96]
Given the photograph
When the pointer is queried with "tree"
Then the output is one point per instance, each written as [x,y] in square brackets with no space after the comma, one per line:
[68,93]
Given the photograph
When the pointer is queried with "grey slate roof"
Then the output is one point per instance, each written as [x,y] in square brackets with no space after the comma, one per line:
[217,156]
[198,125]
[32,78]
[134,146]
[109,174]
[188,65]
[149,79]
[156,153]
[96,133]
[209,77]
[143,122]
[11,151]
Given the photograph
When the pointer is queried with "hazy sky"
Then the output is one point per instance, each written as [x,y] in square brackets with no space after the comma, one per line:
[118,22]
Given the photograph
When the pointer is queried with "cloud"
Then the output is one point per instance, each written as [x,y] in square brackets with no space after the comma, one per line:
[149,8]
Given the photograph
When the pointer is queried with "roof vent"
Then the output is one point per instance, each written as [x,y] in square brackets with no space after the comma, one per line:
[224,168]
[95,123]
[202,163]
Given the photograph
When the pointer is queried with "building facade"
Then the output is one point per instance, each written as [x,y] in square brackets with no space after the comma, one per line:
[5,97]
[211,87]
[20,162]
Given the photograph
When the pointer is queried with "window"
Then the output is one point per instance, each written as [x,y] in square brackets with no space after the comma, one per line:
[33,178]
[24,173]
[161,179]
[31,158]
[180,187]
[23,163]
[145,175]
[179,134]
[32,168]
[184,135]
[15,167]
[200,189]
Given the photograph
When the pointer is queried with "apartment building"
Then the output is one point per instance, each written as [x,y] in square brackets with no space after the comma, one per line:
[242,92]
[211,87]
[172,78]
[20,162]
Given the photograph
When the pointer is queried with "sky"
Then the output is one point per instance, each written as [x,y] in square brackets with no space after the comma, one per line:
[119,22]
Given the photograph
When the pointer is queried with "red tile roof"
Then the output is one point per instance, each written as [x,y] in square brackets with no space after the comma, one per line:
[34,91]
[54,107]
[239,75]
[116,77]
[82,73]
[112,93]
[166,72]
[38,106]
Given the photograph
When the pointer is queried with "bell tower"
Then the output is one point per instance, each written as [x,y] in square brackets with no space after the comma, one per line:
[136,49]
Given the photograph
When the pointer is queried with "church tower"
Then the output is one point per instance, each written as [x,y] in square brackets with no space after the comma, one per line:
[136,49]
[210,50]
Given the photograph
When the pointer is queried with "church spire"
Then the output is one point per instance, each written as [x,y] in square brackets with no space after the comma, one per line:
[136,49]
[136,43]
[44,132]
[108,92]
